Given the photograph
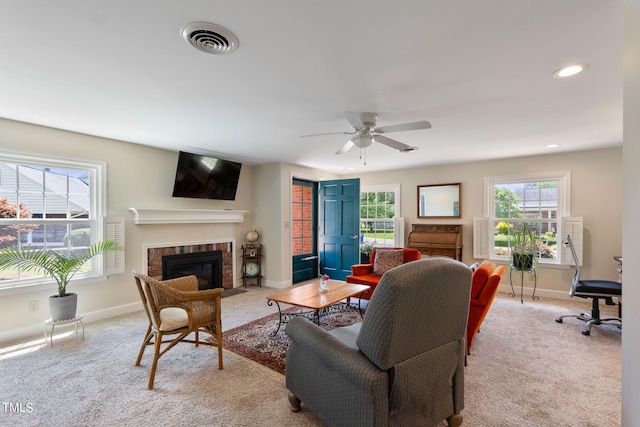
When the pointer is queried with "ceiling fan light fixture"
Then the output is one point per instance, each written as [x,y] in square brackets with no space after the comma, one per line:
[365,133]
[569,71]
[362,141]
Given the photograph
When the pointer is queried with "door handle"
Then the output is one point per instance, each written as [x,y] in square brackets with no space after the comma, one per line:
[355,237]
[309,258]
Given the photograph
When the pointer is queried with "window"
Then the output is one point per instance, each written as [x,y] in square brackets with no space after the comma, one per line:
[541,200]
[380,224]
[303,219]
[52,204]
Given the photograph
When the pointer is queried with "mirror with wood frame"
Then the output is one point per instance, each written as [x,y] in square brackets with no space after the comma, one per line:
[439,201]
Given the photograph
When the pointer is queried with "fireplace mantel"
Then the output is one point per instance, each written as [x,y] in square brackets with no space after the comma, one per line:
[186,216]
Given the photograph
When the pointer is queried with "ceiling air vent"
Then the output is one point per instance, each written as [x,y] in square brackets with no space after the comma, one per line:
[209,38]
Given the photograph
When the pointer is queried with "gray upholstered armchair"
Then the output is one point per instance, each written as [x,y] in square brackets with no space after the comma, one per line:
[402,365]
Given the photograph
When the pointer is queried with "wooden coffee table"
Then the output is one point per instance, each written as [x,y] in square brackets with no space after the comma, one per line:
[319,303]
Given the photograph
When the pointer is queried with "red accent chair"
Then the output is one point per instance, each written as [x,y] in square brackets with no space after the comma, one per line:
[484,286]
[363,273]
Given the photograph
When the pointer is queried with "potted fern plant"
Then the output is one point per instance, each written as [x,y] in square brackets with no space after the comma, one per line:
[61,266]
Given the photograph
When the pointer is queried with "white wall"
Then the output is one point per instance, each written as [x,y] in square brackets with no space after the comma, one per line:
[631,225]
[138,176]
[268,213]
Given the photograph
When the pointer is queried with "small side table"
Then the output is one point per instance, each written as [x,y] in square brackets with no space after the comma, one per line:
[531,269]
[53,323]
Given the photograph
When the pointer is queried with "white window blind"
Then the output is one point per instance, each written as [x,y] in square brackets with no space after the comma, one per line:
[572,226]
[481,238]
[114,230]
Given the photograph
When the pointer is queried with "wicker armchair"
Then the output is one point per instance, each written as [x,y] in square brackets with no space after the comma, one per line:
[177,307]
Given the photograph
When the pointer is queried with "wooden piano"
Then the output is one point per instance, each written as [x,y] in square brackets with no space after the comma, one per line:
[437,240]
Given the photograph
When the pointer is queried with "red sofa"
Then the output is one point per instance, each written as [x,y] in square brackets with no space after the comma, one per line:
[484,286]
[363,273]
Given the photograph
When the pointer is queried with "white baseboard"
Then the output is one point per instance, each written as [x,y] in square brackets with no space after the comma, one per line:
[38,328]
[267,284]
[278,285]
[528,292]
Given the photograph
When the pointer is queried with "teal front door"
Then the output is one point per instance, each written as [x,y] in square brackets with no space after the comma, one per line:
[339,224]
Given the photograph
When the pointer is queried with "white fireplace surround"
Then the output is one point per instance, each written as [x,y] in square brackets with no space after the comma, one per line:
[186,216]
[146,247]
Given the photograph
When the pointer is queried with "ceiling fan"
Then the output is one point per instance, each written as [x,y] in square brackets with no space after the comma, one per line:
[365,132]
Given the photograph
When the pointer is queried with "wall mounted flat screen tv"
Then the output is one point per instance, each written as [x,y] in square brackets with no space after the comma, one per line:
[204,177]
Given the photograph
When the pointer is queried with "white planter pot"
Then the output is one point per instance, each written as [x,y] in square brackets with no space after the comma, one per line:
[63,308]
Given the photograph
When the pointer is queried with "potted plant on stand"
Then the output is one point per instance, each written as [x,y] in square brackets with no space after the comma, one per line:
[60,266]
[524,246]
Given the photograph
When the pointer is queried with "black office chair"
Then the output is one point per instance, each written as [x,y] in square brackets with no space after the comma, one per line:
[594,289]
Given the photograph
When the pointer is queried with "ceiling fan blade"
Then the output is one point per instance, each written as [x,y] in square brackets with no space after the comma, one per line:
[346,147]
[406,126]
[354,119]
[323,134]
[391,143]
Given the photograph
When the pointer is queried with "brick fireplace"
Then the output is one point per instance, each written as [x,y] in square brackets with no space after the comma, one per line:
[155,254]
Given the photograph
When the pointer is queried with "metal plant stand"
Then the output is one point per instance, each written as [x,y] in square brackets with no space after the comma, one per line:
[532,270]
[53,323]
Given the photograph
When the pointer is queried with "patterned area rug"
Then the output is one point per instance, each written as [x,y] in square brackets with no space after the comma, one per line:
[255,340]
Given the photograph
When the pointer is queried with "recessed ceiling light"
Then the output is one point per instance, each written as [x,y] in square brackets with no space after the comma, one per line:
[570,70]
[552,145]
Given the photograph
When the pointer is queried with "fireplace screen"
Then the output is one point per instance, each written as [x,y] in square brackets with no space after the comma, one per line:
[206,266]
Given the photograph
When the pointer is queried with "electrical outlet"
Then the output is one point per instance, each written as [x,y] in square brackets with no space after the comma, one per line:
[34,306]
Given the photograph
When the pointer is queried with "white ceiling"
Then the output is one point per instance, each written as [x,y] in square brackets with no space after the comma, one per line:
[479,71]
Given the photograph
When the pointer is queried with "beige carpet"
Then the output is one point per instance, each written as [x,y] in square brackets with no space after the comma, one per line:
[525,370]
